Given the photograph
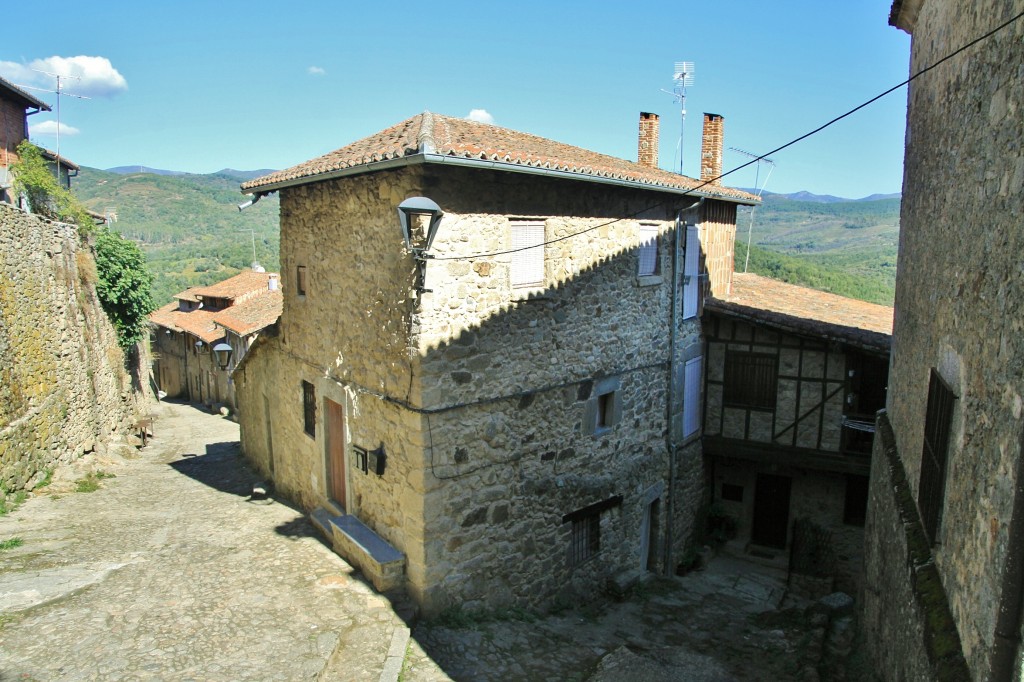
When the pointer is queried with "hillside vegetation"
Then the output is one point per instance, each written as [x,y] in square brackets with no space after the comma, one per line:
[188,226]
[847,248]
[192,233]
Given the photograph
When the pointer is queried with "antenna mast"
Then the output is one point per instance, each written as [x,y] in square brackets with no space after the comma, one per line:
[57,92]
[682,78]
[757,174]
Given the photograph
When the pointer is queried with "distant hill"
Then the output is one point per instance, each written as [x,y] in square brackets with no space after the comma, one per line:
[230,172]
[858,237]
[189,226]
[128,170]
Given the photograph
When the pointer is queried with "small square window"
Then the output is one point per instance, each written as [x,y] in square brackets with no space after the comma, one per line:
[300,280]
[309,408]
[732,492]
[605,410]
[751,380]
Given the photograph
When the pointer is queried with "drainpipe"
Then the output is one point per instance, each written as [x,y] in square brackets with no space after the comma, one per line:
[1006,639]
[670,440]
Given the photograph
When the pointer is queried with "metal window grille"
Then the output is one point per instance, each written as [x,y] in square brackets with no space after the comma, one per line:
[648,252]
[586,538]
[309,408]
[526,267]
[751,380]
[937,422]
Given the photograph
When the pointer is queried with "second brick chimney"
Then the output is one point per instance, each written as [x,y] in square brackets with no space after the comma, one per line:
[647,144]
[711,148]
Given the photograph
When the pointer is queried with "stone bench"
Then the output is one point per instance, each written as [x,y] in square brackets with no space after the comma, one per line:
[355,542]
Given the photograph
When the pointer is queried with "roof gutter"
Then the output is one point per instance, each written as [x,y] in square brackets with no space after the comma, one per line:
[420,158]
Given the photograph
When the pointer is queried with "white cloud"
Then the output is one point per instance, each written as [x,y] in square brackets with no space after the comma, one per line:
[315,71]
[88,76]
[480,115]
[50,128]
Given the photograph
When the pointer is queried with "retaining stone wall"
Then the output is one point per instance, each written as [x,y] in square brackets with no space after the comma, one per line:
[63,387]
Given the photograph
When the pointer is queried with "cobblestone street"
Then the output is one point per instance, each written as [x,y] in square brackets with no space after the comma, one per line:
[169,571]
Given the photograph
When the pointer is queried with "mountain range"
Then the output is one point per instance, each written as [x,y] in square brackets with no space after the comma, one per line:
[193,234]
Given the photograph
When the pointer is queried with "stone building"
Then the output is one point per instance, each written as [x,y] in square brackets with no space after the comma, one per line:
[234,311]
[945,524]
[515,415]
[794,377]
[16,106]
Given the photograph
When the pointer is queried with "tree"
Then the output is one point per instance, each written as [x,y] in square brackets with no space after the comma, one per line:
[34,179]
[125,286]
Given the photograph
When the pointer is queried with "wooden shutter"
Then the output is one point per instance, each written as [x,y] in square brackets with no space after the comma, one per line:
[648,252]
[526,267]
[691,267]
[693,391]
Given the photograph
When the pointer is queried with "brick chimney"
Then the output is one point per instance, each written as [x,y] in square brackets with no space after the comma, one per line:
[711,148]
[647,144]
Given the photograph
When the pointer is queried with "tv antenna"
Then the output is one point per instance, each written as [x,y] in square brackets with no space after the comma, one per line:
[59,91]
[252,232]
[682,78]
[757,174]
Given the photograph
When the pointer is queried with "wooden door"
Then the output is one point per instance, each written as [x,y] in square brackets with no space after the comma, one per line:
[336,452]
[771,511]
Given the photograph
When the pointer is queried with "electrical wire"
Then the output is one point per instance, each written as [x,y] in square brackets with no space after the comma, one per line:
[755,160]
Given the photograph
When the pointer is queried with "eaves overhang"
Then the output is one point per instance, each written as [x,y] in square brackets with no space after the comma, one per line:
[501,166]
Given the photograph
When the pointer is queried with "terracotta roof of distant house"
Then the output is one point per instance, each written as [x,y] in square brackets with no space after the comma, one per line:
[807,311]
[433,138]
[12,91]
[233,288]
[198,323]
[253,314]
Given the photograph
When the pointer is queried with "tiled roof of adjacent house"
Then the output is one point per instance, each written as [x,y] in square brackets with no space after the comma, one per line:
[245,282]
[438,137]
[198,323]
[253,314]
[254,307]
[64,161]
[807,311]
[9,90]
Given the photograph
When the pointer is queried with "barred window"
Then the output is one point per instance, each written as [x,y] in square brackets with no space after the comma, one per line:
[937,422]
[585,540]
[751,380]
[309,408]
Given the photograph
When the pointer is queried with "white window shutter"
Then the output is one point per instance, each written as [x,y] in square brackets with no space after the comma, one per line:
[691,279]
[693,390]
[648,252]
[526,267]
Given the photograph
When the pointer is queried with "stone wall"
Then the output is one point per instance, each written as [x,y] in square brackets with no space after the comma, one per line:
[959,297]
[63,387]
[483,397]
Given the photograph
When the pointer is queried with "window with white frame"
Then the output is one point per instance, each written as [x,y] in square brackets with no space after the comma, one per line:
[691,273]
[647,261]
[526,262]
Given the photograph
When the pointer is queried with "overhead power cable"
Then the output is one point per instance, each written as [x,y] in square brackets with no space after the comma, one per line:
[761,157]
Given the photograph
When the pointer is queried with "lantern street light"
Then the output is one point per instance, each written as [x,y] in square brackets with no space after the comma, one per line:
[409,211]
[222,351]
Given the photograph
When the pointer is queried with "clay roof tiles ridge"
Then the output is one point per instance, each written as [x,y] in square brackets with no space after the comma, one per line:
[432,137]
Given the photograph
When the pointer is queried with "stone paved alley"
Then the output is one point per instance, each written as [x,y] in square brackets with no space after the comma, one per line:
[169,571]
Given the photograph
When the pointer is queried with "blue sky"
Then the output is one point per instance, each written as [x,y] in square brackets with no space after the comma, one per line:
[247,85]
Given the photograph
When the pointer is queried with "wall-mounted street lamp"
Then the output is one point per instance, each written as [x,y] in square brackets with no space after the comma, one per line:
[413,211]
[222,352]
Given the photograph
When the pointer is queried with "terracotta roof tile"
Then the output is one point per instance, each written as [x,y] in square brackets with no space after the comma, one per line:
[807,311]
[253,307]
[253,314]
[446,136]
[245,282]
